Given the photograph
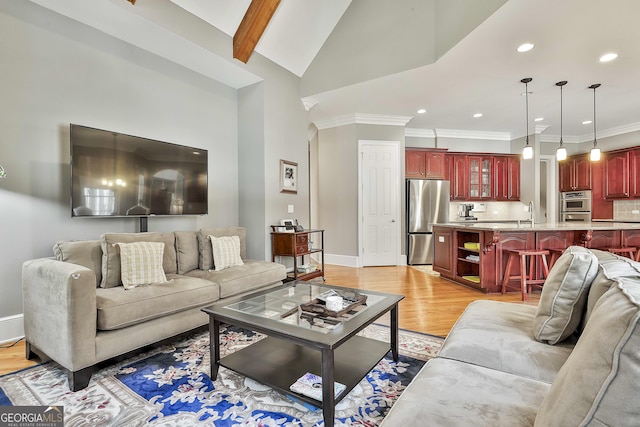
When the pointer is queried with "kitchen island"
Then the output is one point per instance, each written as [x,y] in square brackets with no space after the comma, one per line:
[473,253]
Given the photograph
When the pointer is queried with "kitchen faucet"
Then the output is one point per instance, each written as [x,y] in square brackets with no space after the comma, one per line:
[531,212]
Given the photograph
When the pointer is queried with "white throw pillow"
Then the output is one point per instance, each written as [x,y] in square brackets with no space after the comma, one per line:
[226,252]
[141,263]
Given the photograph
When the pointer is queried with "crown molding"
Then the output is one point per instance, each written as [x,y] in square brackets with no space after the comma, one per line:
[566,139]
[419,133]
[362,119]
[631,127]
[473,134]
[309,102]
[455,133]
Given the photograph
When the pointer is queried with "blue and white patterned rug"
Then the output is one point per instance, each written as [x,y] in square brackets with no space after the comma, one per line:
[170,386]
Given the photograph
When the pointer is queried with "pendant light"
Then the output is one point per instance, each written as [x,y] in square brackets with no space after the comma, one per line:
[561,152]
[594,155]
[527,151]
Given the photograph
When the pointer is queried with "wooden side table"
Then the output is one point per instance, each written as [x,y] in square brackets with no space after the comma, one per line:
[298,244]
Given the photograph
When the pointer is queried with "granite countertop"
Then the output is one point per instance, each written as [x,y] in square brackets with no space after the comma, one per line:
[544,226]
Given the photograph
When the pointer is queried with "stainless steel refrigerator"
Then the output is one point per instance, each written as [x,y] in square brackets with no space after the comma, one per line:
[427,204]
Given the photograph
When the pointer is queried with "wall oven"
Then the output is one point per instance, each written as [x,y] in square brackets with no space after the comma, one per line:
[575,216]
[575,206]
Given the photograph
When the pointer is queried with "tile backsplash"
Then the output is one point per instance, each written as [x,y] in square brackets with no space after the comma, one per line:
[493,211]
[626,210]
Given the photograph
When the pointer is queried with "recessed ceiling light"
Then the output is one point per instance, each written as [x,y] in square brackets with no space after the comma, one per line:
[608,57]
[422,111]
[525,47]
[476,115]
[538,119]
[587,122]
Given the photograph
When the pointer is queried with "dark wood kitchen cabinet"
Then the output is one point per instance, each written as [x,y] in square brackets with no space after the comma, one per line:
[616,174]
[443,254]
[575,173]
[480,177]
[634,173]
[426,163]
[458,176]
[506,180]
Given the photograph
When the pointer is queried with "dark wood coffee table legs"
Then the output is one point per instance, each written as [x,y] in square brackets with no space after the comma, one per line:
[328,390]
[394,332]
[214,346]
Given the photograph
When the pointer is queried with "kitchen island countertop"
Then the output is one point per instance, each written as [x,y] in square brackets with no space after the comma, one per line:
[543,226]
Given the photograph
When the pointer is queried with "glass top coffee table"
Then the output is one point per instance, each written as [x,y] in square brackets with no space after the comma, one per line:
[303,341]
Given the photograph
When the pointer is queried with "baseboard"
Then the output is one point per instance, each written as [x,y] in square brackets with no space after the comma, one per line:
[344,260]
[11,328]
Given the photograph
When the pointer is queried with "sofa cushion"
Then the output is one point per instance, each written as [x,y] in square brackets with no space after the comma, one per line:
[87,253]
[118,308]
[141,263]
[187,251]
[598,383]
[226,252]
[451,393]
[111,254]
[498,335]
[564,295]
[609,269]
[243,278]
[204,244]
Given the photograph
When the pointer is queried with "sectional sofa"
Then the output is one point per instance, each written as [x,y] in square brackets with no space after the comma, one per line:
[98,299]
[574,360]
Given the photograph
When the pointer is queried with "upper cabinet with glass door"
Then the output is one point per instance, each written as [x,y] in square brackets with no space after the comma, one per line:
[480,177]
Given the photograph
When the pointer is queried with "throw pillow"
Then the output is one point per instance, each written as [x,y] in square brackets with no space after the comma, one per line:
[598,383]
[226,252]
[111,254]
[564,295]
[87,253]
[141,263]
[205,258]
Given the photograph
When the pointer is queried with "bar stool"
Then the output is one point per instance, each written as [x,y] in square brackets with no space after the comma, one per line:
[527,281]
[555,254]
[629,252]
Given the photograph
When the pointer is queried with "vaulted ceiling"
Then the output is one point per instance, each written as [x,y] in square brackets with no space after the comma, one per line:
[453,58]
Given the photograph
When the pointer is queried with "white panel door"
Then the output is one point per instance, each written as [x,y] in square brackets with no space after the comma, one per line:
[379,204]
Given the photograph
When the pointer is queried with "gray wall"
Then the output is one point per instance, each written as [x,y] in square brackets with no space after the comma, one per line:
[373,38]
[57,71]
[460,144]
[338,182]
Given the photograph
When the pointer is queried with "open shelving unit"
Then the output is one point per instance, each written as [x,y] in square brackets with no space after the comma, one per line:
[468,258]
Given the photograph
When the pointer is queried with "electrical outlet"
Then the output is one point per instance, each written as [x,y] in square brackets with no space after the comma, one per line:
[635,211]
[289,208]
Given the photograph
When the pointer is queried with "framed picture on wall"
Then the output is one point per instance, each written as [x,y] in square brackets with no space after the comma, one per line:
[288,177]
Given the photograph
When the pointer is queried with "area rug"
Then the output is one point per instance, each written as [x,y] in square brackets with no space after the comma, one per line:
[170,386]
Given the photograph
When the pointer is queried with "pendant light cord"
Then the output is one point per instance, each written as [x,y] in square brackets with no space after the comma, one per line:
[561,116]
[526,82]
[595,142]
[526,97]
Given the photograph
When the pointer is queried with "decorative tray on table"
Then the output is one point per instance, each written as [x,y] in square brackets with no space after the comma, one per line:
[351,299]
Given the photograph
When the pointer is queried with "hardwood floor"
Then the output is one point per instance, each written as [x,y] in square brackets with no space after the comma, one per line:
[431,304]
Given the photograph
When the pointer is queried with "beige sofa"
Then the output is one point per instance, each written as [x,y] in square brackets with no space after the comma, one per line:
[574,360]
[77,312]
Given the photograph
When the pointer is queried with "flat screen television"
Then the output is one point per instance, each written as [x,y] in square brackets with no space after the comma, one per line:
[113,174]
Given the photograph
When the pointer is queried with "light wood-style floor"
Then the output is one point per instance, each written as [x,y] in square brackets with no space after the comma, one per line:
[431,304]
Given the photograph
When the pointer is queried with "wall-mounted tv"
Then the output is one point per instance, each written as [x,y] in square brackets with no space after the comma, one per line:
[113,174]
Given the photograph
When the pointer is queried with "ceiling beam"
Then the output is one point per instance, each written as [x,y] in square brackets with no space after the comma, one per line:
[253,24]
